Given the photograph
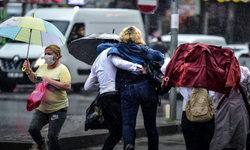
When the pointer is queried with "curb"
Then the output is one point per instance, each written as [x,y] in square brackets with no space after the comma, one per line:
[83,141]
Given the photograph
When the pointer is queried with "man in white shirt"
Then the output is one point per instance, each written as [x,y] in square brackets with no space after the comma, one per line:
[102,78]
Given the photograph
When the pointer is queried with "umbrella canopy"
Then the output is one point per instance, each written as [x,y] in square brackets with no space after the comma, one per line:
[32,30]
[85,48]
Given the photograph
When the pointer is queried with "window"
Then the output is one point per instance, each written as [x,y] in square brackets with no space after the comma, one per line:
[77,31]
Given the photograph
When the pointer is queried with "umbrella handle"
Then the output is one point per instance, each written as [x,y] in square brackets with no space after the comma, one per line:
[23,69]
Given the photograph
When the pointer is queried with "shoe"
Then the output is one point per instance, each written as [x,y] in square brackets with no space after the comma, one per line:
[42,147]
[130,147]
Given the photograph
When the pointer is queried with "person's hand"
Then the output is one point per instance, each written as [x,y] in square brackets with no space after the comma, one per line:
[26,64]
[46,79]
[143,70]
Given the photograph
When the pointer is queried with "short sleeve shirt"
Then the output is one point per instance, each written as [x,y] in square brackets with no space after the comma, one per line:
[54,99]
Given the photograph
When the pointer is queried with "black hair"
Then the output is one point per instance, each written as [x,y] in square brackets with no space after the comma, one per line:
[159,39]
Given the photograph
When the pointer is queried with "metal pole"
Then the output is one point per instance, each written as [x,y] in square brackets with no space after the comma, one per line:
[174,42]
[206,15]
[146,27]
[230,22]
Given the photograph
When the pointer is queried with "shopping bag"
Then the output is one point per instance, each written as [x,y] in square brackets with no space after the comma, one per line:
[94,116]
[35,97]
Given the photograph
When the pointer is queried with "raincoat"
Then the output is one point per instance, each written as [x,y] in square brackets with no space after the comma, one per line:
[231,120]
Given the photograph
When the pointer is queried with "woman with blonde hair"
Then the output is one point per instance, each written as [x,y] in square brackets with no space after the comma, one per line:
[135,88]
[54,103]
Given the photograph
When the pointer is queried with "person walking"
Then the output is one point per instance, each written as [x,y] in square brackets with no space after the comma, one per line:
[197,135]
[103,72]
[135,88]
[160,47]
[54,104]
[232,118]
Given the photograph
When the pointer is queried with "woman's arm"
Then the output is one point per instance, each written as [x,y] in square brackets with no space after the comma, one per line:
[124,64]
[31,75]
[29,72]
[64,86]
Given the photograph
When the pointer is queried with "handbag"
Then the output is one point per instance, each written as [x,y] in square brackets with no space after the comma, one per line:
[35,97]
[155,76]
[94,117]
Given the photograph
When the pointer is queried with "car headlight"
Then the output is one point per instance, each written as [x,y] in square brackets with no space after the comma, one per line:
[40,61]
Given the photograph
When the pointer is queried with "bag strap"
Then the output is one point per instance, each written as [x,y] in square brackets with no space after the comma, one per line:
[246,102]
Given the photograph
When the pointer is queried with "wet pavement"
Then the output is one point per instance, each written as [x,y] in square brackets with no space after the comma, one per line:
[73,136]
[171,142]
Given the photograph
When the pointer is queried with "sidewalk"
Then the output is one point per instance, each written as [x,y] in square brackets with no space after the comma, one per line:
[73,135]
[169,142]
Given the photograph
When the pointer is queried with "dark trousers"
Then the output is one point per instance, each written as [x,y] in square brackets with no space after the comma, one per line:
[197,135]
[110,103]
[55,120]
[248,142]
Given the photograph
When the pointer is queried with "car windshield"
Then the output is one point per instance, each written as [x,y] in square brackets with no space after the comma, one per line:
[61,25]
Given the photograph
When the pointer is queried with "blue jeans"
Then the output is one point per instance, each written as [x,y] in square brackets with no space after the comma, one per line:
[132,96]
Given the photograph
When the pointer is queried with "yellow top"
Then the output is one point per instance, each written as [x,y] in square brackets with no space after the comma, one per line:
[54,99]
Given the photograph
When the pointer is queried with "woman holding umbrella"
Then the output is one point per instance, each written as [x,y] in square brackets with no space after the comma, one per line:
[54,104]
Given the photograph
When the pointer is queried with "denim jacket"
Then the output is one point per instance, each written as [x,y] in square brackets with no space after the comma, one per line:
[134,53]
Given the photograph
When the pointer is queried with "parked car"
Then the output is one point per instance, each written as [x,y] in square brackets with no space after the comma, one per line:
[191,38]
[238,49]
[241,52]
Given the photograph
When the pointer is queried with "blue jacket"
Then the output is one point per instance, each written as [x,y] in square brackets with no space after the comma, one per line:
[101,47]
[133,53]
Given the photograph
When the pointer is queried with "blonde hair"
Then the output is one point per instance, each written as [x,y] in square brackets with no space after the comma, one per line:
[56,49]
[131,34]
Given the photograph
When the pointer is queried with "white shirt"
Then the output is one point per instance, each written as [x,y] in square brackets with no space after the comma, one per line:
[186,92]
[103,72]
